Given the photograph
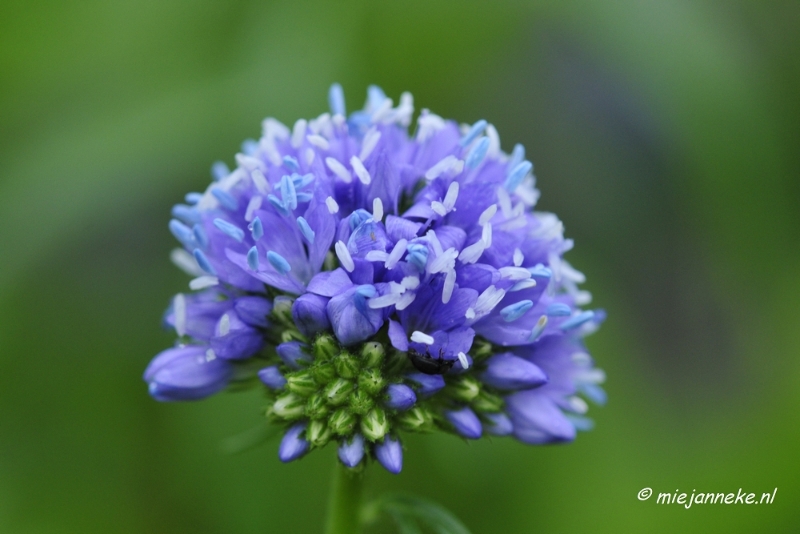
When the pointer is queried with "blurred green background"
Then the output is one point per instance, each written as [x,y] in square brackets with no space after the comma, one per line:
[666,135]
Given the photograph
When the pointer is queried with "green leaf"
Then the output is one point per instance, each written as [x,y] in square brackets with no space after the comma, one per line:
[407,510]
[248,439]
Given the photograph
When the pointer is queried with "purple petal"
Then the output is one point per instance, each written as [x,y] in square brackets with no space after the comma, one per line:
[428,384]
[500,424]
[350,324]
[310,314]
[186,373]
[398,336]
[465,422]
[401,397]
[292,353]
[330,283]
[537,419]
[292,445]
[272,377]
[506,371]
[253,310]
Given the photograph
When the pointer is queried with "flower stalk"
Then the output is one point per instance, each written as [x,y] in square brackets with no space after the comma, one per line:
[344,503]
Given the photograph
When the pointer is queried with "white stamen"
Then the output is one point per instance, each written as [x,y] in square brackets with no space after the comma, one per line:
[333,207]
[487,214]
[376,255]
[487,300]
[344,256]
[486,235]
[202,282]
[261,183]
[384,301]
[377,209]
[310,154]
[252,207]
[383,111]
[463,359]
[371,139]
[421,337]
[410,282]
[444,261]
[319,142]
[298,132]
[179,309]
[405,301]
[211,355]
[470,314]
[433,239]
[397,253]
[577,405]
[404,110]
[396,288]
[505,201]
[494,142]
[185,262]
[224,325]
[451,196]
[471,253]
[518,257]
[360,170]
[438,208]
[514,273]
[449,285]
[338,169]
[440,168]
[523,284]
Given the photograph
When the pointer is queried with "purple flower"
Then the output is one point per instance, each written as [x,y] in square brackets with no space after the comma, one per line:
[381,281]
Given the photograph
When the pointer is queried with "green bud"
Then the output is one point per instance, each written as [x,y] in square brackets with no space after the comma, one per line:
[346,365]
[289,406]
[375,425]
[316,407]
[325,347]
[371,382]
[487,402]
[318,433]
[301,382]
[292,335]
[282,309]
[361,403]
[323,373]
[342,422]
[338,391]
[372,354]
[417,419]
[464,388]
[480,350]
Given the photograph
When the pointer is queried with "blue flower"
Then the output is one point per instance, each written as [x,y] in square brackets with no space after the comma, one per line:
[380,282]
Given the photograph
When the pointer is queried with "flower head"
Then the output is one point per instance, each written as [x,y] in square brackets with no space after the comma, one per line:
[379,282]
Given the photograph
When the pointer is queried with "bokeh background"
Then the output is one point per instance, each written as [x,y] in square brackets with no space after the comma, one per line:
[666,135]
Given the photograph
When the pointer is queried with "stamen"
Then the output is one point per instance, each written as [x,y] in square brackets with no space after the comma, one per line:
[538,328]
[470,314]
[410,282]
[486,235]
[256,229]
[376,255]
[444,261]
[278,204]
[344,256]
[202,261]
[338,169]
[290,163]
[319,142]
[577,320]
[516,175]
[440,168]
[477,153]
[396,254]
[473,133]
[487,214]
[505,202]
[202,282]
[421,337]
[517,155]
[310,155]
[298,132]
[181,232]
[487,300]
[405,301]
[306,230]
[390,299]
[360,170]
[449,285]
[451,196]
[541,271]
[523,284]
[279,262]
[371,139]
[229,229]
[179,308]
[333,207]
[438,208]
[224,325]
[185,262]
[518,257]
[558,309]
[288,192]
[253,206]
[377,209]
[336,99]
[514,273]
[261,183]
[219,171]
[471,253]
[464,361]
[193,198]
[252,259]
[514,311]
[226,199]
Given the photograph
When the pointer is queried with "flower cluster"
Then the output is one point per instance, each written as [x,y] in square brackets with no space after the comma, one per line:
[378,282]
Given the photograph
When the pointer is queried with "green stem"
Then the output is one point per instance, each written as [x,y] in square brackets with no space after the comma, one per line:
[344,503]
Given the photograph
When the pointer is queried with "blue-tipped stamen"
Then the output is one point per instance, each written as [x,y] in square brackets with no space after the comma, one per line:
[256,229]
[229,229]
[306,230]
[517,155]
[302,180]
[288,192]
[278,204]
[193,198]
[290,163]
[417,256]
[279,262]
[203,262]
[304,197]
[558,309]
[336,100]
[476,130]
[219,170]
[538,329]
[249,147]
[186,213]
[181,232]
[541,271]
[577,320]
[477,153]
[252,258]
[516,175]
[226,199]
[200,235]
[512,312]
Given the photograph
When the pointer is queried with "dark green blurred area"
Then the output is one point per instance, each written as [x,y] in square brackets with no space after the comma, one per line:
[666,136]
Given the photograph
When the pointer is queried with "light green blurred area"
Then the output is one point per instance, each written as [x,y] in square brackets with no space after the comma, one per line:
[665,135]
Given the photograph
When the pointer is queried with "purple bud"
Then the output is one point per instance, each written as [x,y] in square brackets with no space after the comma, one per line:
[292,445]
[272,377]
[351,453]
[352,320]
[537,419]
[310,314]
[292,353]
[235,340]
[428,384]
[506,371]
[186,373]
[253,310]
[465,422]
[500,424]
[390,455]
[401,397]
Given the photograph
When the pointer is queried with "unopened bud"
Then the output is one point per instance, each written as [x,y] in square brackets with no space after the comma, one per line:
[480,350]
[417,419]
[487,402]
[464,388]
[338,391]
[301,382]
[325,347]
[289,406]
[372,354]
[282,309]
[374,425]
[323,373]
[318,433]
[361,403]
[346,365]
[371,382]
[316,407]
[342,422]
